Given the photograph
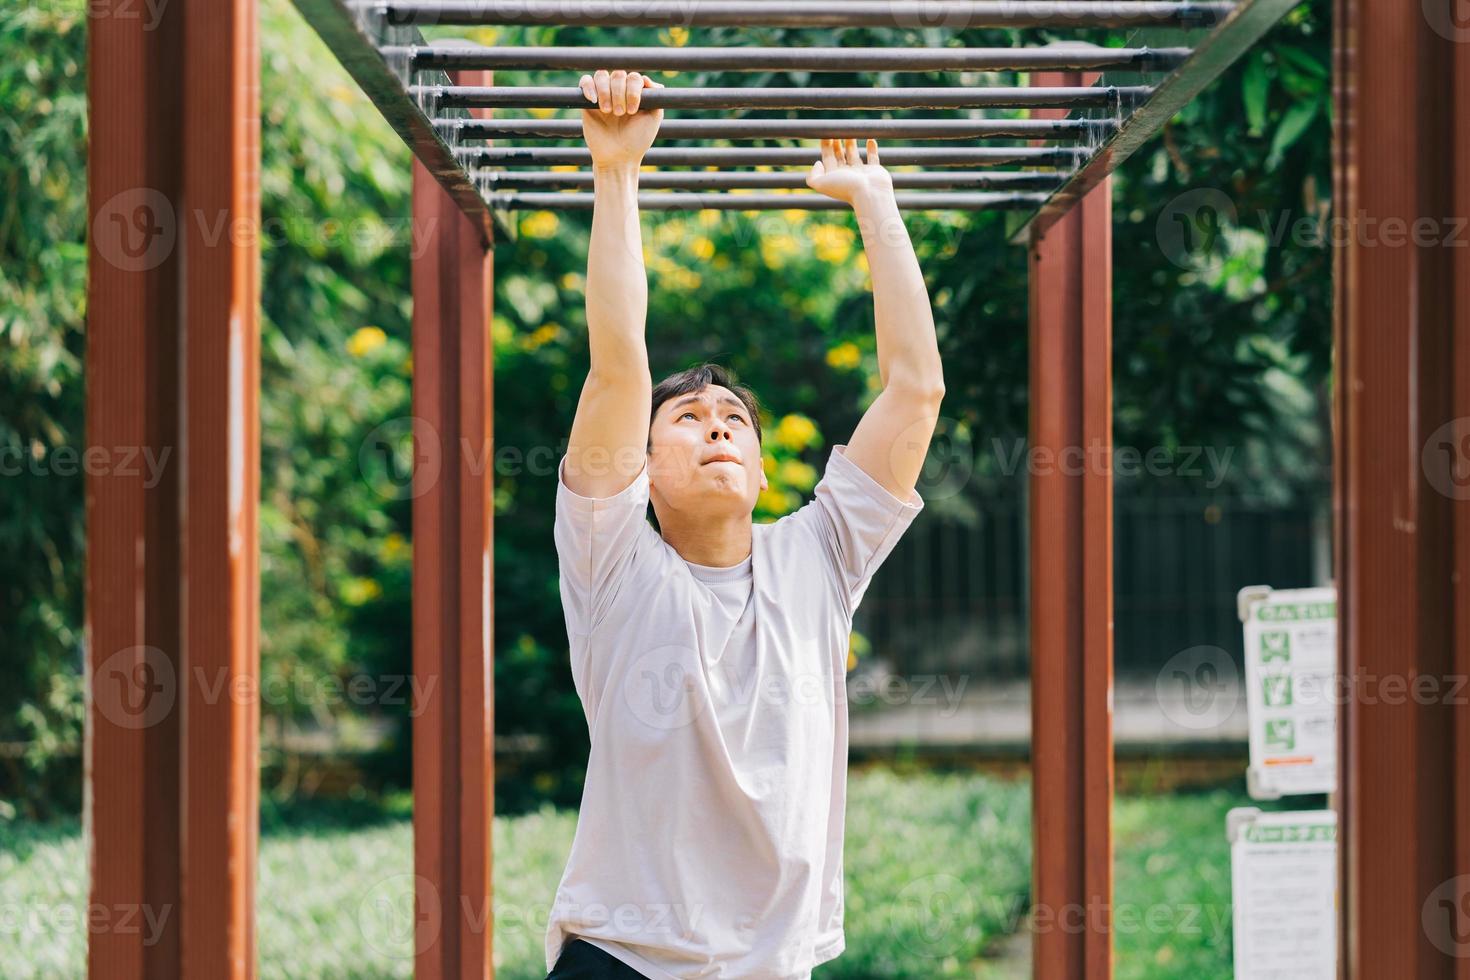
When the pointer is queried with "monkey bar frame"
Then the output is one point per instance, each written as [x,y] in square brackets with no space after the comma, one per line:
[172,365]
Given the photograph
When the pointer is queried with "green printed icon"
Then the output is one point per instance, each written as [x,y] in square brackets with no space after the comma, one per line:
[1275,645]
[1280,734]
[1277,691]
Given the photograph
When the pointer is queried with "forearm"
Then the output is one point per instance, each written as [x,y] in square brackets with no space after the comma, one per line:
[908,350]
[617,282]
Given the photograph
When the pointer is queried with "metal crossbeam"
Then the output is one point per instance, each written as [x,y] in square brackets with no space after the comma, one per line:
[579,201]
[910,14]
[749,129]
[1016,180]
[983,156]
[983,97]
[445,123]
[755,59]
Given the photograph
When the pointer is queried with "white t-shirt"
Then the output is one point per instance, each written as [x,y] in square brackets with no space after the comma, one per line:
[709,839]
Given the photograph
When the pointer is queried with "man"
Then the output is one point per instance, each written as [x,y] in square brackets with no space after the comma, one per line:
[710,654]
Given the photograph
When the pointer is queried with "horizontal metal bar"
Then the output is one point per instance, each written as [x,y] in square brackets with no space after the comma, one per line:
[745,129]
[352,34]
[909,14]
[654,201]
[1212,55]
[953,97]
[1015,180]
[449,57]
[704,156]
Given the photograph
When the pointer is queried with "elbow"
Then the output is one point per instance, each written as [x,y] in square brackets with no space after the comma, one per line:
[924,390]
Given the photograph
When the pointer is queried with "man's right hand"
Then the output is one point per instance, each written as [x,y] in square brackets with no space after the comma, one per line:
[615,131]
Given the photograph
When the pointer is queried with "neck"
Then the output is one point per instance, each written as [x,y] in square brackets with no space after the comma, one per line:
[718,542]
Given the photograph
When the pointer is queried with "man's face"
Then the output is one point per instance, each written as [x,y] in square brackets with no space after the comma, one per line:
[704,458]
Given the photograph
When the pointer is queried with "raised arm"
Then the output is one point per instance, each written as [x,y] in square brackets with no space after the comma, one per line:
[892,438]
[609,439]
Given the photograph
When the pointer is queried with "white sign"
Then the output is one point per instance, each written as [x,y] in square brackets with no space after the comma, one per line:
[1290,670]
[1283,875]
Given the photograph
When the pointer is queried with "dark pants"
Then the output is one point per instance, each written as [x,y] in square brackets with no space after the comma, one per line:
[583,961]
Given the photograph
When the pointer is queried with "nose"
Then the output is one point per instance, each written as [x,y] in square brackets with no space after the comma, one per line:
[720,431]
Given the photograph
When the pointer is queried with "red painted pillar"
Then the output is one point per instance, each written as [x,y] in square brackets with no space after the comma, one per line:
[1071,532]
[172,487]
[1402,268]
[453,757]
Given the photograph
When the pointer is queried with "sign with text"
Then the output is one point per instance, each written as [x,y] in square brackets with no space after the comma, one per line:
[1290,669]
[1283,874]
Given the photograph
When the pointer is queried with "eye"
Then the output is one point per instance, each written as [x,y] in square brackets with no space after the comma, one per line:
[686,415]
[737,416]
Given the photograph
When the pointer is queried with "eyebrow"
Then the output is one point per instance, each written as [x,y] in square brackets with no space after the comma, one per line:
[723,399]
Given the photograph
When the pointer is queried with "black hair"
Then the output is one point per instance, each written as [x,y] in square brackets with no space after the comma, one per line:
[699,377]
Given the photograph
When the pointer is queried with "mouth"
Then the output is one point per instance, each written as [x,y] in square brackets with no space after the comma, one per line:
[721,458]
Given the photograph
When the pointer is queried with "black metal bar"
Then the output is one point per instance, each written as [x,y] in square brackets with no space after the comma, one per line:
[911,14]
[352,34]
[579,201]
[953,97]
[1015,180]
[745,129]
[448,57]
[1212,55]
[704,156]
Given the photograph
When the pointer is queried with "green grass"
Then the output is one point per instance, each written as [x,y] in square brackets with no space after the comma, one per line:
[937,870]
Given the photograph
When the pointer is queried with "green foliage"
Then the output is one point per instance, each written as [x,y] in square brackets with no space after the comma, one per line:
[1224,344]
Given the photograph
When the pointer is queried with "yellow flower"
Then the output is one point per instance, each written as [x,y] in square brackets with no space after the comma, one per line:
[502,334]
[485,36]
[775,249]
[773,501]
[709,218]
[845,356]
[539,224]
[396,547]
[796,432]
[798,474]
[541,112]
[360,591]
[703,248]
[851,658]
[832,243]
[572,280]
[542,336]
[677,36]
[365,340]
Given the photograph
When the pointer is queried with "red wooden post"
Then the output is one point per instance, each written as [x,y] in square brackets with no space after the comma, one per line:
[172,488]
[1071,530]
[452,583]
[1402,266]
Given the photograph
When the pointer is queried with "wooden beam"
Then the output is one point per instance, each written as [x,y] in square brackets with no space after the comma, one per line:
[171,760]
[1402,267]
[1071,542]
[452,583]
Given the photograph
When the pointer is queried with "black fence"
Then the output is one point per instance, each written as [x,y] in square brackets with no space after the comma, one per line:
[952,598]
